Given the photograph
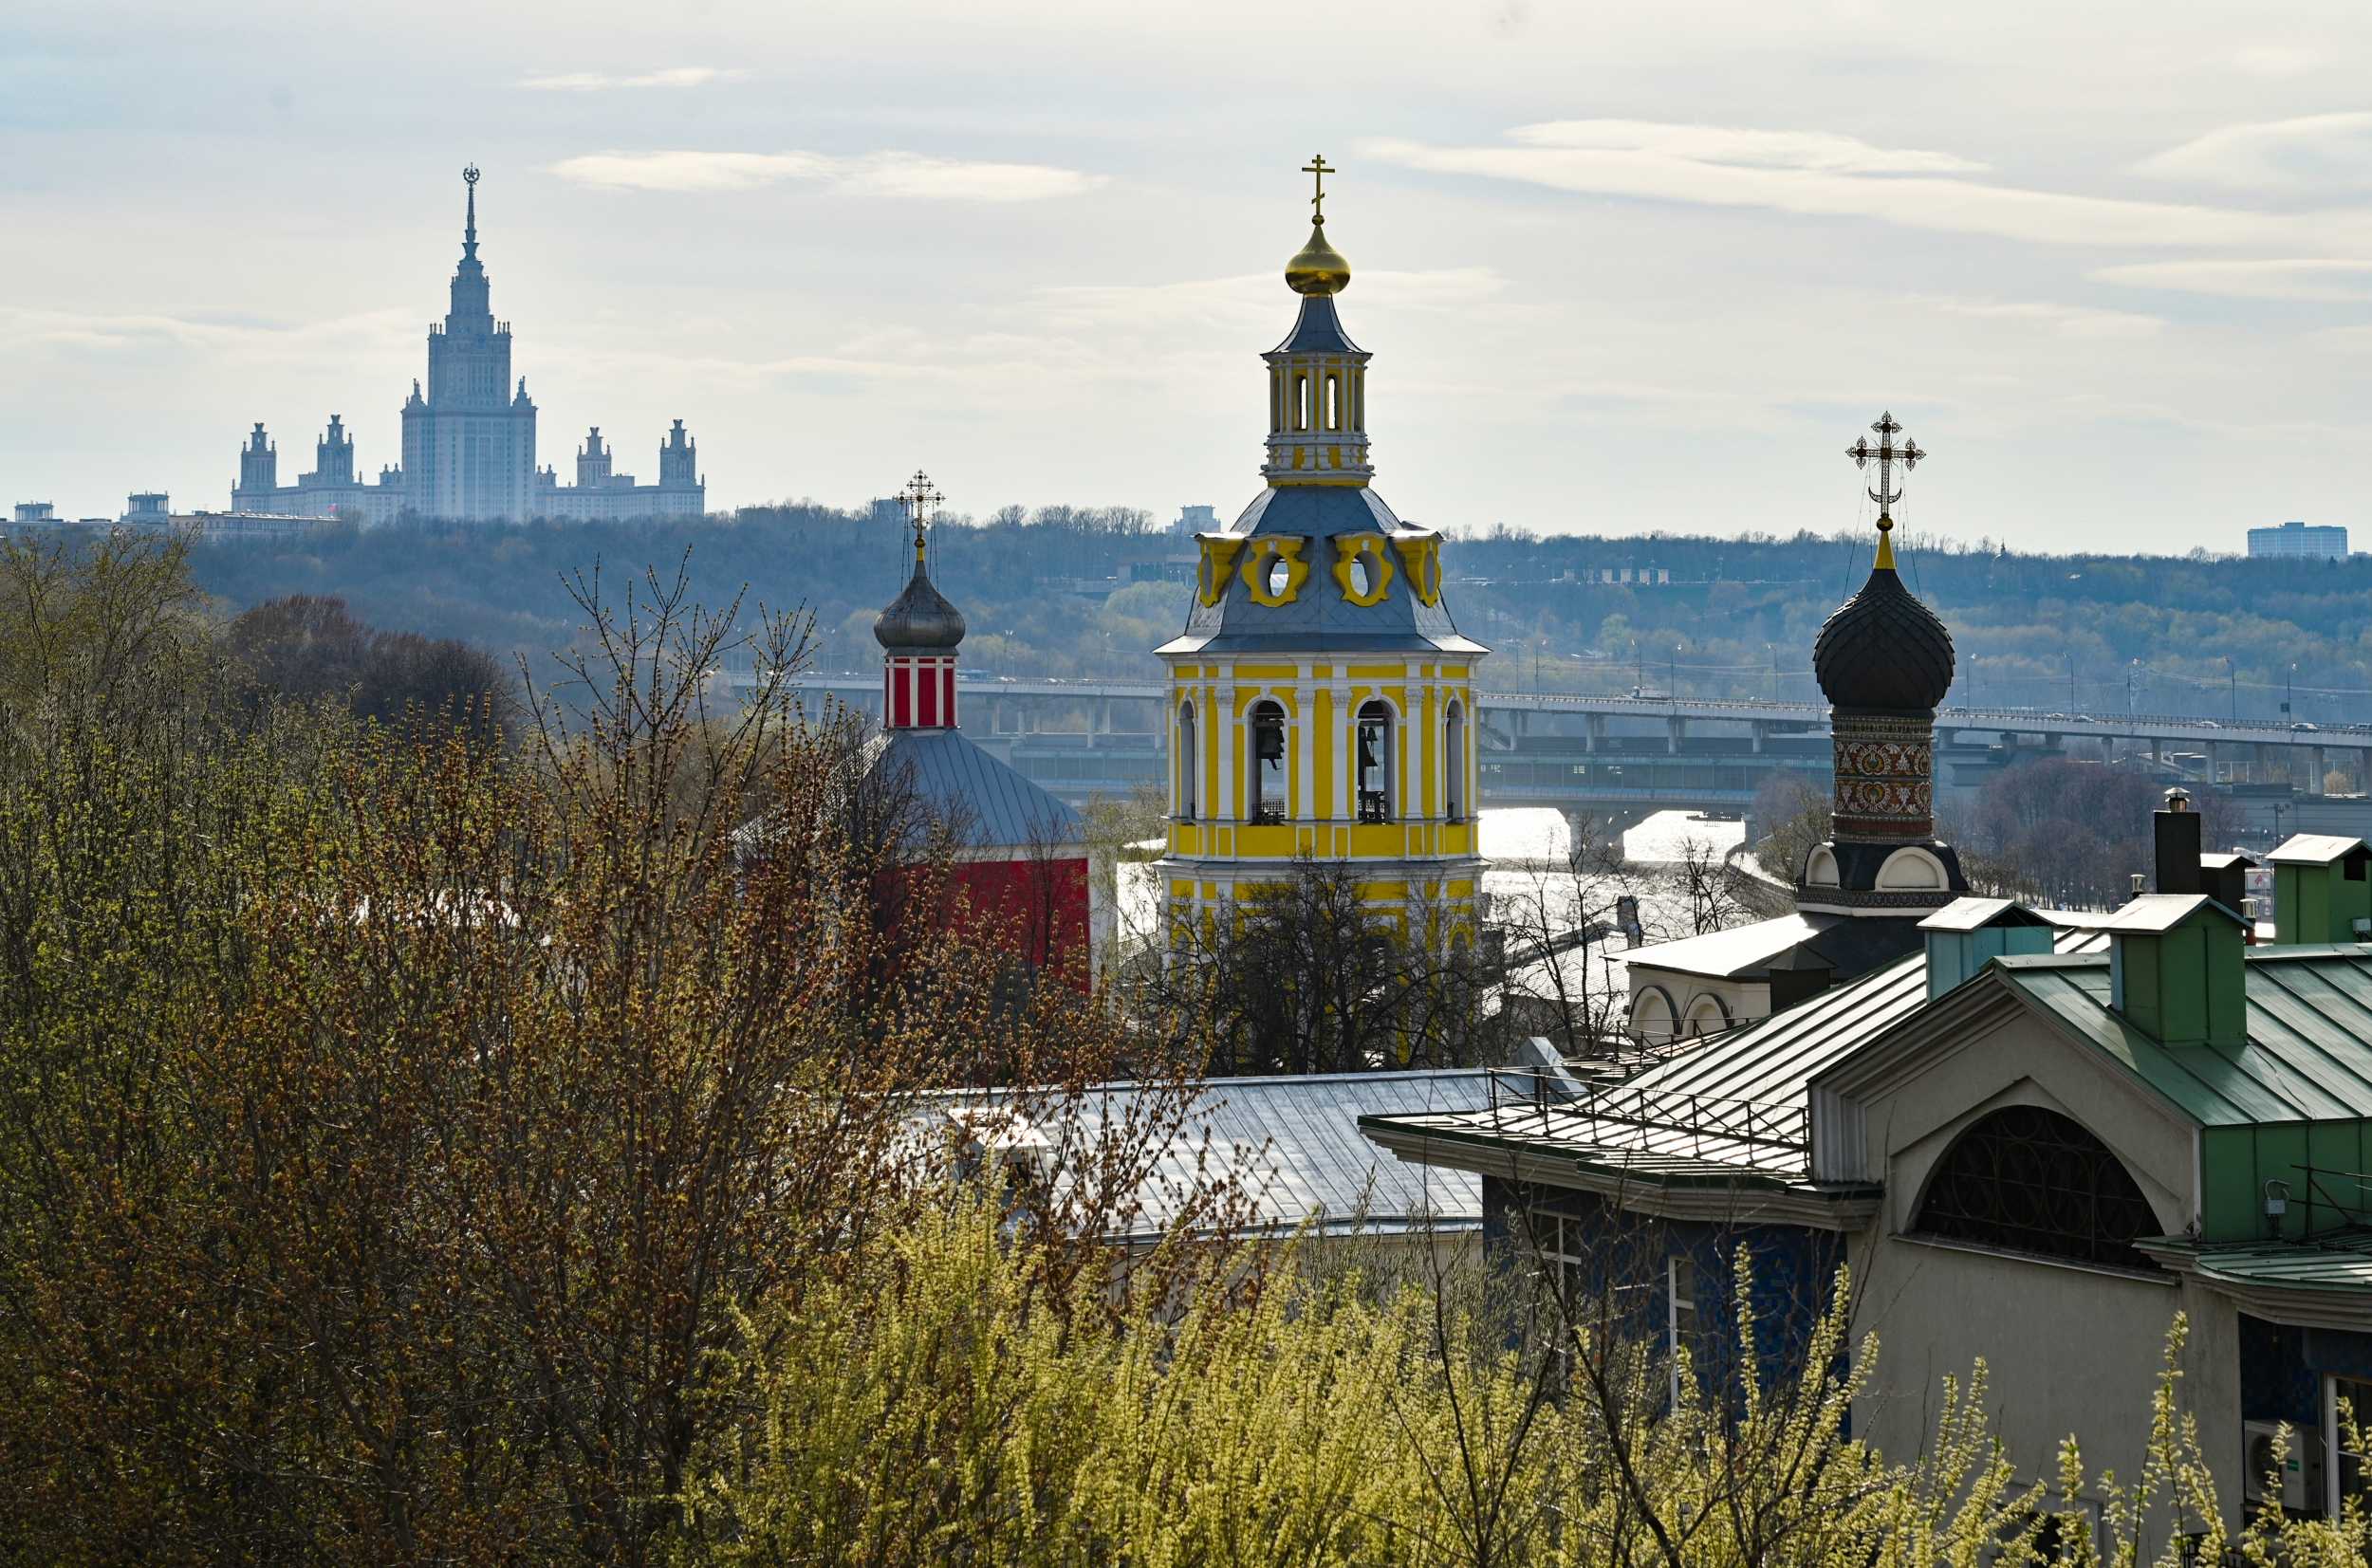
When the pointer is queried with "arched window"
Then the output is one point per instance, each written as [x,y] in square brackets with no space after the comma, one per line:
[1375,763]
[1454,764]
[1264,797]
[1652,1018]
[2031,1180]
[1280,575]
[1189,761]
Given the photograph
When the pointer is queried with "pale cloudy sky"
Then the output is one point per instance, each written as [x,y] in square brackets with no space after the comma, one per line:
[1624,268]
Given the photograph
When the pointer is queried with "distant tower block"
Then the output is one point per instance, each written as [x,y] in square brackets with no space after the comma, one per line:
[678,461]
[259,465]
[592,461]
[333,455]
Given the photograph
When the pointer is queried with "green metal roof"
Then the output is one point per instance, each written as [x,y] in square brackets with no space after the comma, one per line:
[2309,1023]
[1676,1123]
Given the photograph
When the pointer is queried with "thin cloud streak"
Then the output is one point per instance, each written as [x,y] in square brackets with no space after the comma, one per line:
[896,174]
[594,81]
[2318,280]
[2312,152]
[1950,206]
[1820,151]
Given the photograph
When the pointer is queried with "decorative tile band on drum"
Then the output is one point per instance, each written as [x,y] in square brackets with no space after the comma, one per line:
[1884,765]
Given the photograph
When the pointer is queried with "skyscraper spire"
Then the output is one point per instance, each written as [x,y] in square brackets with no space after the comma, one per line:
[468,229]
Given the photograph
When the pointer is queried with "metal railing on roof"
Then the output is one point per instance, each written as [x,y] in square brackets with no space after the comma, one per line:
[1711,1127]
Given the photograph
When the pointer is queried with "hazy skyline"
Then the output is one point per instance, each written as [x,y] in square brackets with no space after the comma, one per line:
[1622,268]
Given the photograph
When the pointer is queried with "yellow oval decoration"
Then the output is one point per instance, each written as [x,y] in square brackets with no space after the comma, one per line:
[1210,577]
[1348,549]
[1422,557]
[1256,568]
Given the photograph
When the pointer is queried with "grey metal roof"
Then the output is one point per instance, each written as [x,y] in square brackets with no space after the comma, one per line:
[1319,619]
[1293,1145]
[2312,849]
[2310,1020]
[964,787]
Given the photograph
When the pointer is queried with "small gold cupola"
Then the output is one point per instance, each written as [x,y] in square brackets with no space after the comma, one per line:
[1318,267]
[1317,376]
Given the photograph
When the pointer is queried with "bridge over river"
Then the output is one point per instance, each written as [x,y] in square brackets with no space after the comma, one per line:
[1615,755]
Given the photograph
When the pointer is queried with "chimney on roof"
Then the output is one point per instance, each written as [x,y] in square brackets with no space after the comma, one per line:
[2177,842]
[2176,969]
[1968,933]
[2322,889]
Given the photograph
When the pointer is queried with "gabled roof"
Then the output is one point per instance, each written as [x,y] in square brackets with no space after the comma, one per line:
[1974,913]
[2310,1020]
[990,805]
[2153,912]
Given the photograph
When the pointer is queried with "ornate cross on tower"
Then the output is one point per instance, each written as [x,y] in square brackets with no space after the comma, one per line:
[1886,455]
[1317,169]
[921,501]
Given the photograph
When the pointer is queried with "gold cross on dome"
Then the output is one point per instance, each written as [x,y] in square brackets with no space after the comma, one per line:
[1317,169]
[921,501]
[1886,455]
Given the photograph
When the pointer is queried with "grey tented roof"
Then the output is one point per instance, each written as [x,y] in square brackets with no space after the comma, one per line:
[1318,329]
[964,786]
[1293,1144]
[1319,619]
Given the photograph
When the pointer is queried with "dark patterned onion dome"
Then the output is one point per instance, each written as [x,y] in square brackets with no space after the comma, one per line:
[919,620]
[1883,649]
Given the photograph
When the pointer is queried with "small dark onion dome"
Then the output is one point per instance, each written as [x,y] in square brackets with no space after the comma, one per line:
[919,620]
[1883,649]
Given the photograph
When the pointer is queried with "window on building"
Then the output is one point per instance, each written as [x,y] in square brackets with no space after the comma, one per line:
[1454,764]
[1189,761]
[1265,799]
[1559,1240]
[1679,1314]
[1359,576]
[1375,763]
[1280,574]
[2030,1180]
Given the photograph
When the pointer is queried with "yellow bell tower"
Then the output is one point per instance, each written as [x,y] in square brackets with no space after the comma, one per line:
[1322,701]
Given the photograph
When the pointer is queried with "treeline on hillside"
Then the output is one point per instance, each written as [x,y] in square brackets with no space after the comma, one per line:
[1070,591]
[419,1151]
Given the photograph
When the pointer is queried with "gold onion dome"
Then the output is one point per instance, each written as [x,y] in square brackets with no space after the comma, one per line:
[1319,267]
